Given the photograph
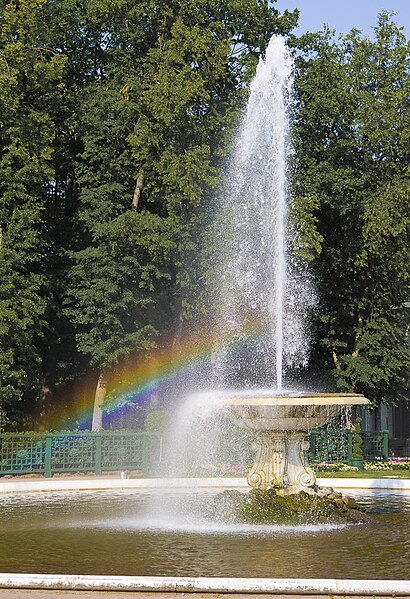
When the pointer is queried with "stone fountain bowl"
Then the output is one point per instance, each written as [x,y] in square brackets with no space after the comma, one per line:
[280,424]
[289,412]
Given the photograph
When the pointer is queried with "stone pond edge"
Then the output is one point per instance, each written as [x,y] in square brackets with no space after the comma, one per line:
[94,483]
[303,586]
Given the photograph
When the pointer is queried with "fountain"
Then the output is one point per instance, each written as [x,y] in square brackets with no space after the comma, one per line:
[281,424]
[263,295]
[263,287]
[263,291]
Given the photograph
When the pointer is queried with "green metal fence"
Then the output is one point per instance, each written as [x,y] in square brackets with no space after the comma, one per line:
[79,452]
[337,445]
[95,452]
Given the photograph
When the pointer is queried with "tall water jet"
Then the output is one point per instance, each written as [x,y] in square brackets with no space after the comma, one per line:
[263,296]
[260,316]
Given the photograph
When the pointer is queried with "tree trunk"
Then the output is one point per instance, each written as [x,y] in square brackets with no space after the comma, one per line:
[359,335]
[137,191]
[360,326]
[100,393]
[44,409]
[336,360]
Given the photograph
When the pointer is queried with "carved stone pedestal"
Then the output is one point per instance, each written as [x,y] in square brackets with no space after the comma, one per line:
[280,462]
[280,424]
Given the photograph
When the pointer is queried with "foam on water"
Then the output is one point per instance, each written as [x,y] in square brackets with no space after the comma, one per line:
[207,527]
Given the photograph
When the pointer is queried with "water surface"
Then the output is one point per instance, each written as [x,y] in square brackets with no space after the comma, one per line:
[131,532]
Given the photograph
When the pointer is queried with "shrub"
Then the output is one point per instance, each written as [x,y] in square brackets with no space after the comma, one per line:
[391,465]
[357,452]
[379,466]
[334,467]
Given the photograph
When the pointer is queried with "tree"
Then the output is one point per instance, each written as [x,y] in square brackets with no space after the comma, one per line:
[115,117]
[30,75]
[351,187]
[169,79]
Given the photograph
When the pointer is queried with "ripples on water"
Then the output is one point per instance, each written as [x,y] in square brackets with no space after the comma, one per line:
[169,533]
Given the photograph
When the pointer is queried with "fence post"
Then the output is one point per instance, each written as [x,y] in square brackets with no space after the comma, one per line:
[47,457]
[385,445]
[97,461]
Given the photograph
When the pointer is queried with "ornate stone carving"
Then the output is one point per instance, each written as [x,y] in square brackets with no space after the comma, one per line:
[300,475]
[280,462]
[281,423]
[270,461]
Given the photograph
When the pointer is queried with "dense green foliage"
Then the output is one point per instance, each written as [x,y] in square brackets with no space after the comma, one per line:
[30,77]
[115,119]
[351,202]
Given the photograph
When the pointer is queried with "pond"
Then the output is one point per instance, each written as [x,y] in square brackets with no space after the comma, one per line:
[133,532]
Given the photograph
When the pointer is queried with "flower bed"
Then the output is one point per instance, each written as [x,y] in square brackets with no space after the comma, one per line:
[390,465]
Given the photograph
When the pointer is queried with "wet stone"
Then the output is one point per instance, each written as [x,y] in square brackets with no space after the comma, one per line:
[270,507]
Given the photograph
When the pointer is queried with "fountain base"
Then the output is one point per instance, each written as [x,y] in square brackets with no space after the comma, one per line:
[281,424]
[280,463]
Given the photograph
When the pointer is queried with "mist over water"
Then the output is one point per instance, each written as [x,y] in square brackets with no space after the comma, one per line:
[263,294]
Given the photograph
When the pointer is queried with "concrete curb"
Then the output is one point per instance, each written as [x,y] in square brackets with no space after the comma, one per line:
[211,585]
[47,484]
[88,484]
[398,484]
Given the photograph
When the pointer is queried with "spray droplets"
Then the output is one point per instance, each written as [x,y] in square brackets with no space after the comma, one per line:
[258,279]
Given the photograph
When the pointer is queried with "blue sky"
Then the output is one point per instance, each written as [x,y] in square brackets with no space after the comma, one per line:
[344,15]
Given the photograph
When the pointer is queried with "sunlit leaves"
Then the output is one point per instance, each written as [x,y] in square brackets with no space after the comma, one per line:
[352,156]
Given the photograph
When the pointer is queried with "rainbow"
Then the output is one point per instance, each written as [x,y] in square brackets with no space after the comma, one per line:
[146,374]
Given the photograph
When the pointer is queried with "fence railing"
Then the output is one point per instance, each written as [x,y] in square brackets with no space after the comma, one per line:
[337,445]
[95,452]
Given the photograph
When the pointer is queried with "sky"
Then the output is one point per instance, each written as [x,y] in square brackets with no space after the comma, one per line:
[344,15]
